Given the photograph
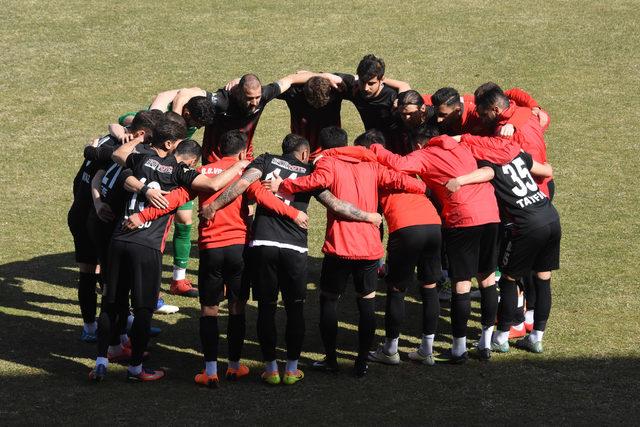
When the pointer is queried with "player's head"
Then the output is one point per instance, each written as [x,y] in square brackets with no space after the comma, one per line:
[317,91]
[144,124]
[198,112]
[188,152]
[234,143]
[175,117]
[490,104]
[168,134]
[425,135]
[411,108]
[332,137]
[296,145]
[370,74]
[249,92]
[370,137]
[486,87]
[448,106]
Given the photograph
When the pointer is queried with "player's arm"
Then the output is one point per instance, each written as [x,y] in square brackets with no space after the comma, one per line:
[103,210]
[176,198]
[183,96]
[155,196]
[495,149]
[268,200]
[398,85]
[121,153]
[543,170]
[206,184]
[524,99]
[162,100]
[347,210]
[303,76]
[249,176]
[392,180]
[483,174]
[410,163]
[321,177]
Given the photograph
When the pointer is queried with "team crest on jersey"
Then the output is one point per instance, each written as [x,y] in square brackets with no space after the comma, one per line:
[286,165]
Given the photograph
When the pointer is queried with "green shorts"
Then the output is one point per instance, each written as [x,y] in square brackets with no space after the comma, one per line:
[187,206]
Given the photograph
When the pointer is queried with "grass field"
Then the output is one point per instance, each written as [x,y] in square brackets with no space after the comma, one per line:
[70,67]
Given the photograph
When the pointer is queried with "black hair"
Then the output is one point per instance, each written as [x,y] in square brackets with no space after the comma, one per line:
[369,67]
[492,97]
[292,143]
[447,96]
[175,117]
[146,120]
[332,137]
[317,91]
[189,148]
[201,110]
[248,80]
[426,133]
[232,142]
[486,87]
[168,130]
[410,97]
[370,137]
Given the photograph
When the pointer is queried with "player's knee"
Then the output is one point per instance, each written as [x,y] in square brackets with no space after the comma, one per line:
[429,285]
[487,279]
[543,275]
[462,286]
[183,217]
[366,295]
[209,310]
[88,268]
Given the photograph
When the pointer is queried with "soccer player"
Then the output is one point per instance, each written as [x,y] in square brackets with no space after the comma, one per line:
[470,232]
[238,107]
[135,257]
[350,248]
[414,241]
[532,240]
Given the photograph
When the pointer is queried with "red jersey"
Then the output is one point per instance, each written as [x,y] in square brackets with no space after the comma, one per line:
[356,182]
[229,225]
[442,160]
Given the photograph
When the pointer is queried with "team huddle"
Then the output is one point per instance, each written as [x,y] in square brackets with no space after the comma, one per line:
[461,181]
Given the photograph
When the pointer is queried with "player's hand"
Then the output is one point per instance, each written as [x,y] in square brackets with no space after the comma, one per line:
[273,184]
[104,212]
[132,223]
[543,117]
[334,81]
[375,218]
[233,83]
[207,213]
[242,164]
[125,137]
[507,130]
[453,185]
[94,142]
[302,71]
[302,220]
[155,196]
[457,137]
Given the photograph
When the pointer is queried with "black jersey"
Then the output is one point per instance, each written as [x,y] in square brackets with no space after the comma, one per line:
[112,190]
[92,163]
[377,112]
[270,229]
[522,204]
[164,173]
[308,121]
[231,114]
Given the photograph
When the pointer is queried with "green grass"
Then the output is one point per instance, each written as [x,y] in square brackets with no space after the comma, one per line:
[69,68]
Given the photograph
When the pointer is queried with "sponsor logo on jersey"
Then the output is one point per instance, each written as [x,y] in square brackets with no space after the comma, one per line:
[286,165]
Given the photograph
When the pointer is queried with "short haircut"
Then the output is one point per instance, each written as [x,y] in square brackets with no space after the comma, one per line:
[317,91]
[168,130]
[232,142]
[426,133]
[146,121]
[292,143]
[369,67]
[447,96]
[370,137]
[410,97]
[201,110]
[189,148]
[486,87]
[249,80]
[492,98]
[332,137]
[175,117]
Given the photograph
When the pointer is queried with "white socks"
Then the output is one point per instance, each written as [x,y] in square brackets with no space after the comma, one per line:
[501,337]
[485,338]
[390,346]
[102,361]
[528,316]
[536,336]
[135,370]
[292,365]
[90,328]
[426,346]
[211,368]
[459,346]
[179,273]
[271,366]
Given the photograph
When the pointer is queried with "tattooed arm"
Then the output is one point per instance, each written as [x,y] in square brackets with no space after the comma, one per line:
[230,194]
[346,210]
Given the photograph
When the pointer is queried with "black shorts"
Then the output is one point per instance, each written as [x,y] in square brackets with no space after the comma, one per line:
[77,221]
[219,267]
[336,271]
[410,247]
[537,250]
[133,268]
[100,233]
[278,270]
[471,250]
